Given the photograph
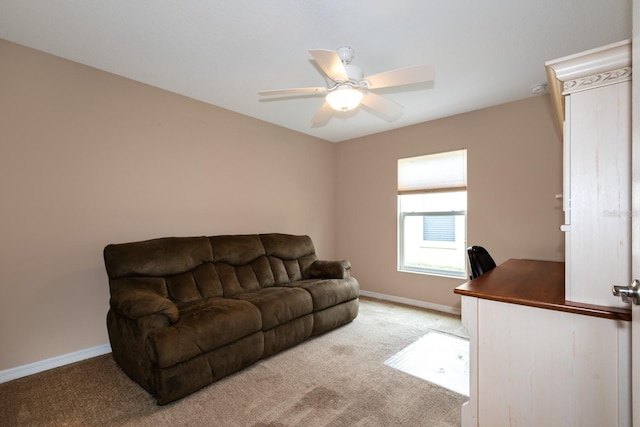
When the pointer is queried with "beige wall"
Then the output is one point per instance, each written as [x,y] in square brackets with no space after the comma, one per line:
[514,172]
[89,158]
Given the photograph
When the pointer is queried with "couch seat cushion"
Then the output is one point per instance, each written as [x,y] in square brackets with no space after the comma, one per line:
[279,305]
[329,292]
[203,326]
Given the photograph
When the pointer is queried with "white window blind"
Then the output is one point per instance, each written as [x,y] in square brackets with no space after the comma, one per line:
[433,172]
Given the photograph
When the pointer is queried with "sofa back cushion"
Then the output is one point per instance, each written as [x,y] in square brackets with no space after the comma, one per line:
[201,282]
[289,256]
[241,263]
[204,267]
[157,257]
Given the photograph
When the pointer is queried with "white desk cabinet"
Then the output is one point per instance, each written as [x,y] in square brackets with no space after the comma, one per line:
[536,360]
[540,367]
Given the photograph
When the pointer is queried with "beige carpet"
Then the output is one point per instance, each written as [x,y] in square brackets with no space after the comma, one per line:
[337,379]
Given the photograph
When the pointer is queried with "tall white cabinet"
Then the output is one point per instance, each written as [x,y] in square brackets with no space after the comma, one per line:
[595,88]
[549,343]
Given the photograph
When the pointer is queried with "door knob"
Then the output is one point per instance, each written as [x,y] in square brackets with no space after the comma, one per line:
[628,293]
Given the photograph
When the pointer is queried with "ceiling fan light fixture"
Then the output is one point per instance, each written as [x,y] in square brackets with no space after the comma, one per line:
[344,98]
[347,87]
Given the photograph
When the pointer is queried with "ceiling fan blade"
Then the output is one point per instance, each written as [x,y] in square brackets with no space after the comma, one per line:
[330,63]
[322,116]
[386,108]
[401,76]
[293,91]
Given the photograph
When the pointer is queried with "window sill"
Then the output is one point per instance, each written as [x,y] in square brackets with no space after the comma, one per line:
[448,275]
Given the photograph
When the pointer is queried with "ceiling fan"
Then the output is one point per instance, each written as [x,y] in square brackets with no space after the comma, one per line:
[348,88]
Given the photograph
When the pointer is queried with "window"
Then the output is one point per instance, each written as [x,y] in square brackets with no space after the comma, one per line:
[432,214]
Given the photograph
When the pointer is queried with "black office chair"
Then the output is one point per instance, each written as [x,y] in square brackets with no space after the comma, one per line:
[480,261]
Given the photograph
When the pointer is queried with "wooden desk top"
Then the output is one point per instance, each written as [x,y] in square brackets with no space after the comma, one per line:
[535,284]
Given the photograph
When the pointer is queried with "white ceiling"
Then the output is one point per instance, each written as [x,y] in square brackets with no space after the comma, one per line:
[223,52]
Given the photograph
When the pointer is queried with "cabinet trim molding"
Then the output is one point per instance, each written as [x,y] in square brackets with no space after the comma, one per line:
[597,80]
[587,70]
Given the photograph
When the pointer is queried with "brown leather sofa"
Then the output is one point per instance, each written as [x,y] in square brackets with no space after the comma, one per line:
[187,311]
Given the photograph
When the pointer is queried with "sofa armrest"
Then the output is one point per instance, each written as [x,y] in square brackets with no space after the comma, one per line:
[340,269]
[139,297]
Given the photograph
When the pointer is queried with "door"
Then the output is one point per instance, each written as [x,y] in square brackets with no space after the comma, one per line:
[635,214]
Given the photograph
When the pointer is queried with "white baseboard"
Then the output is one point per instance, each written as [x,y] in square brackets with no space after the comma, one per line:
[409,301]
[55,362]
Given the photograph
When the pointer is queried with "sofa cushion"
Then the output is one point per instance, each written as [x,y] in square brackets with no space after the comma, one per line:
[287,246]
[157,257]
[329,292]
[289,256]
[238,249]
[241,263]
[285,271]
[201,282]
[279,305]
[244,278]
[203,326]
